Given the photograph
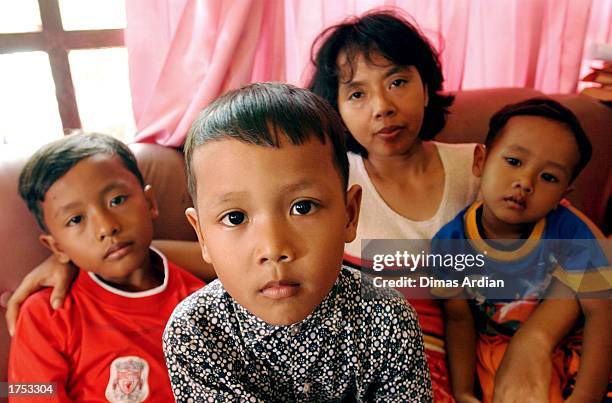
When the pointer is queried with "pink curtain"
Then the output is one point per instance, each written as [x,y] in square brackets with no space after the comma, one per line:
[185,53]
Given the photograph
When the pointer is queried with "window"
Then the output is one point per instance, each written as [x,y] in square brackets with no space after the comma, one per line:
[63,66]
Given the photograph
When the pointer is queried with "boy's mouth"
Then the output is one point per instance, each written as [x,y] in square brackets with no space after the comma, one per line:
[280,289]
[118,250]
[516,202]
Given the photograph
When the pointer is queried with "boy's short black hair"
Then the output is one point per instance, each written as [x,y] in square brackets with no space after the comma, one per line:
[547,108]
[385,32]
[258,114]
[54,160]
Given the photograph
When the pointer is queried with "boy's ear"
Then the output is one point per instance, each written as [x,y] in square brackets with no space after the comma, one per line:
[426,95]
[353,205]
[480,155]
[150,198]
[50,243]
[192,217]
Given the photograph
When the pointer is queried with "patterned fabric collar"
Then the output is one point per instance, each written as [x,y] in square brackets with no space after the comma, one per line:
[326,315]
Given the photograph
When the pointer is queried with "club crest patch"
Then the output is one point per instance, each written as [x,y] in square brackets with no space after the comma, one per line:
[128,382]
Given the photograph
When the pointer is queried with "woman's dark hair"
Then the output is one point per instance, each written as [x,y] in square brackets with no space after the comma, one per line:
[389,34]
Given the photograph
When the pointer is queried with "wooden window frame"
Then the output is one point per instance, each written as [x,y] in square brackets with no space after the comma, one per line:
[57,42]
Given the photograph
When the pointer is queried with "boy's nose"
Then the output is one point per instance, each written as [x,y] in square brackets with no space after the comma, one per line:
[525,184]
[107,226]
[274,245]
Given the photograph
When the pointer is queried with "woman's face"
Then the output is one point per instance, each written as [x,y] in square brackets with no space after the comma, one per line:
[382,104]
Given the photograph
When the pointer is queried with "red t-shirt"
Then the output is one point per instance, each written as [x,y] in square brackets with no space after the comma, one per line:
[104,344]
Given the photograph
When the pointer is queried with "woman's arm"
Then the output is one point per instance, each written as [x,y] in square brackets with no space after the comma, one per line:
[50,273]
[461,348]
[59,276]
[596,360]
[528,359]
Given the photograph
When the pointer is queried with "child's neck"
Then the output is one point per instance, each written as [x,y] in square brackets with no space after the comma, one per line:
[148,276]
[491,227]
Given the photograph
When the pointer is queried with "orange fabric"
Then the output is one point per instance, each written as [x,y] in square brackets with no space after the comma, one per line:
[566,359]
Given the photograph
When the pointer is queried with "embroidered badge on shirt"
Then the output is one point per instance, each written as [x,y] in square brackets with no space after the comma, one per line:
[128,380]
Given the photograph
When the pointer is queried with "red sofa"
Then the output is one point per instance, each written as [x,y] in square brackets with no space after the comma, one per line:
[163,168]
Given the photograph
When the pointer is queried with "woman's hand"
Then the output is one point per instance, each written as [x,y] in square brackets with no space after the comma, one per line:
[526,369]
[50,273]
[524,375]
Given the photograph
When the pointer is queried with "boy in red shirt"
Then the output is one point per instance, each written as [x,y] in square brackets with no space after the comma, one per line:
[104,344]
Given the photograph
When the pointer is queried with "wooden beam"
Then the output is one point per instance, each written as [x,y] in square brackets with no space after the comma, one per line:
[64,89]
[45,41]
[57,43]
[60,66]
[101,38]
[22,42]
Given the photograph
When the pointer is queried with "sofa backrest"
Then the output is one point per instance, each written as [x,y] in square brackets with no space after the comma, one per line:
[163,168]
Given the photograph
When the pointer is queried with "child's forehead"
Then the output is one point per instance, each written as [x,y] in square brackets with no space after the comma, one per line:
[105,165]
[544,138]
[231,147]
[95,169]
[228,160]
[528,128]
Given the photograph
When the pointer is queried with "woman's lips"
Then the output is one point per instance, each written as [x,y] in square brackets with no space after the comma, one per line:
[118,250]
[280,289]
[389,132]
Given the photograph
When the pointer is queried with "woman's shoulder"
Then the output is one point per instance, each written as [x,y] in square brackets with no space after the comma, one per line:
[354,159]
[456,150]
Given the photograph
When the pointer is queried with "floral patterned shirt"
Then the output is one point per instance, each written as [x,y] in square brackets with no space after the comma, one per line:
[360,344]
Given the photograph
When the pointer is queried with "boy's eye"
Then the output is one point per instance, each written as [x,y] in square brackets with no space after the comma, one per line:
[74,220]
[115,201]
[233,218]
[513,161]
[550,178]
[398,82]
[303,207]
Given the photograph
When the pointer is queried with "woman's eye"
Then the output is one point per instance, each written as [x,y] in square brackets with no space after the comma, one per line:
[233,218]
[513,161]
[356,95]
[550,178]
[115,201]
[74,220]
[303,207]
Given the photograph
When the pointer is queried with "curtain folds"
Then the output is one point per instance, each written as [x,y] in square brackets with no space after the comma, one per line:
[185,53]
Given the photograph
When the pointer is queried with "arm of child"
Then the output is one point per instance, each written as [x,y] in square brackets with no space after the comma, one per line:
[596,360]
[50,273]
[187,254]
[527,361]
[59,276]
[36,352]
[461,348]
